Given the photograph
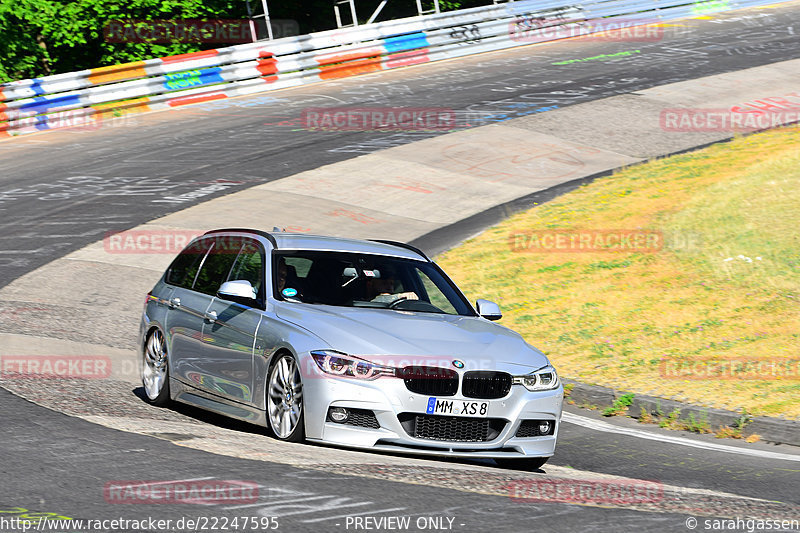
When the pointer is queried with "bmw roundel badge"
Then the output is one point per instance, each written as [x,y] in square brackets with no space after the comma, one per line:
[458,364]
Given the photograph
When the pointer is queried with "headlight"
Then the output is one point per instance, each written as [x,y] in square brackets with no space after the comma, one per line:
[543,379]
[339,364]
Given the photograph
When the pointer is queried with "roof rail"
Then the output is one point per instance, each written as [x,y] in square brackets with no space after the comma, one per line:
[403,245]
[264,234]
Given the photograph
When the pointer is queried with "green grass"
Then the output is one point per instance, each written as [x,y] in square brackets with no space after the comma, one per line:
[726,283]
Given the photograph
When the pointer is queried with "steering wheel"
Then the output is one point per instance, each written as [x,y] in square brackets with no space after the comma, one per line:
[399,300]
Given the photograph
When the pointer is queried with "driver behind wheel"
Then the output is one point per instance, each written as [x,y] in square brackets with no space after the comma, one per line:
[381,289]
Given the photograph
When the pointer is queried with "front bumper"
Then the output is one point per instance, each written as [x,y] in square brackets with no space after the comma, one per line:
[388,398]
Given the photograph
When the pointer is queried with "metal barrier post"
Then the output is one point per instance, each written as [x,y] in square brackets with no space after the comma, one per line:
[266,19]
[422,11]
[339,16]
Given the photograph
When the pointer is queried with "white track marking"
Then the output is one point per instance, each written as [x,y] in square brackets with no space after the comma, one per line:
[599,425]
[373,512]
[154,483]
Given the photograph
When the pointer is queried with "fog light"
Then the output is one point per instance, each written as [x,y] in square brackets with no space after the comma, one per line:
[338,414]
[544,427]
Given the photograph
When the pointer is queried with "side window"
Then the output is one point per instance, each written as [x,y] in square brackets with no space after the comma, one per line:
[249,266]
[435,295]
[301,265]
[183,269]
[218,263]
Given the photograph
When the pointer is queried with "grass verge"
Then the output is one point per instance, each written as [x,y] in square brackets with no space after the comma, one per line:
[707,311]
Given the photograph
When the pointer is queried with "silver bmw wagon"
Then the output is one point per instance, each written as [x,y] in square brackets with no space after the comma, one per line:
[346,342]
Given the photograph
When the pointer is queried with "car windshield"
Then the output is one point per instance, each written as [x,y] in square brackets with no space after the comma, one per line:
[361,280]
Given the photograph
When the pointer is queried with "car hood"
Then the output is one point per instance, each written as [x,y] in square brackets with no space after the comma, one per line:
[400,338]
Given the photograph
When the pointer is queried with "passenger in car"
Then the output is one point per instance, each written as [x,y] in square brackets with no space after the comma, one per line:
[287,278]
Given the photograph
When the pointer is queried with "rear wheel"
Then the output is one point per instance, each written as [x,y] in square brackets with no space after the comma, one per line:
[530,463]
[155,369]
[285,400]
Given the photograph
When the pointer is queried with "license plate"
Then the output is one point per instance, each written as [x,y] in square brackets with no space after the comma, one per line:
[439,406]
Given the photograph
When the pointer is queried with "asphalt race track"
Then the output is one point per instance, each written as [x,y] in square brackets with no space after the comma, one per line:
[65,479]
[62,190]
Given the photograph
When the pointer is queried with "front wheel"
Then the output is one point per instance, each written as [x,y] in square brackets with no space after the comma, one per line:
[285,400]
[531,463]
[155,369]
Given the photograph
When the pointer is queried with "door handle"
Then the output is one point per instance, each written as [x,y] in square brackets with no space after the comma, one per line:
[174,302]
[211,317]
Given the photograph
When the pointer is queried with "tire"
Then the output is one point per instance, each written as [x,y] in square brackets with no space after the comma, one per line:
[155,369]
[532,463]
[285,411]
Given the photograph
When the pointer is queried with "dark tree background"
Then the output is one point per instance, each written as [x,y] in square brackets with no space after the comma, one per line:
[42,37]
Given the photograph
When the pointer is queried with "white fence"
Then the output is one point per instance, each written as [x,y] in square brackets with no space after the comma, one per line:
[76,98]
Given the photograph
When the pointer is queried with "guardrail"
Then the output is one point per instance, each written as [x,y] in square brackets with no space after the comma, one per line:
[77,98]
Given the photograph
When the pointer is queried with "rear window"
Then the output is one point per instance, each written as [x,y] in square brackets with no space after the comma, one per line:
[184,268]
[217,265]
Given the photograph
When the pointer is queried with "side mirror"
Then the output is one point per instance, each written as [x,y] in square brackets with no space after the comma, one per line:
[239,291]
[488,310]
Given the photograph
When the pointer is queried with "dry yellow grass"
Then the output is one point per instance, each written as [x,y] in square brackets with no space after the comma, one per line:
[725,286]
